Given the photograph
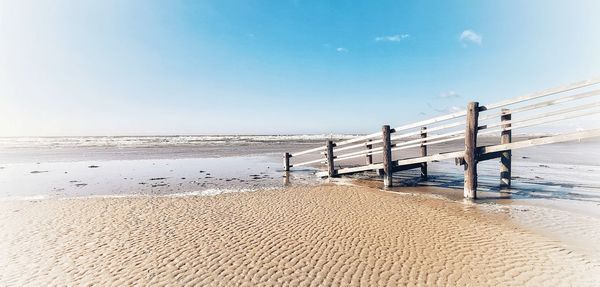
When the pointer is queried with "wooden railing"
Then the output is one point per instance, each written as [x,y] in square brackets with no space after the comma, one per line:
[467,125]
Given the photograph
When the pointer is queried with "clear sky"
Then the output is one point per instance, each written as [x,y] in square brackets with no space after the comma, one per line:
[277,67]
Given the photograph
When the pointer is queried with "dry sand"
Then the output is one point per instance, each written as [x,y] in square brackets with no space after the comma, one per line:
[307,236]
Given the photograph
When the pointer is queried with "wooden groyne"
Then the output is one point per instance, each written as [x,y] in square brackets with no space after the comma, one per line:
[382,154]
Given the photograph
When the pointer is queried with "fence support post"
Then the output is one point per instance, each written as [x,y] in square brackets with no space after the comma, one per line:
[423,153]
[286,161]
[387,156]
[330,166]
[505,157]
[470,186]
[369,156]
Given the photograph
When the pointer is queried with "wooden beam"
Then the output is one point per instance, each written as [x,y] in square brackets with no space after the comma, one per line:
[350,170]
[406,167]
[398,163]
[495,151]
[309,151]
[330,164]
[541,141]
[286,161]
[470,167]
[543,93]
[424,153]
[480,157]
[309,162]
[506,156]
[544,104]
[369,157]
[429,158]
[431,121]
[387,156]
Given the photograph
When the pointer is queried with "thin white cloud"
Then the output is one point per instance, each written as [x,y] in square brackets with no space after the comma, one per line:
[341,50]
[451,109]
[392,38]
[449,95]
[471,37]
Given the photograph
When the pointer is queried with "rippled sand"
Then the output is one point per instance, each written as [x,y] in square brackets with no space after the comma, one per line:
[308,236]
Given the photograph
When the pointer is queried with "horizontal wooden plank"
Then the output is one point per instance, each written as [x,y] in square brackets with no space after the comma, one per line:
[401,136]
[401,164]
[309,151]
[431,121]
[308,162]
[541,94]
[358,139]
[429,158]
[544,115]
[361,152]
[524,124]
[429,138]
[430,143]
[360,168]
[541,141]
[406,167]
[542,104]
[480,157]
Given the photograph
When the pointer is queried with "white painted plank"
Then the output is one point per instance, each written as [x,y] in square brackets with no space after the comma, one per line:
[541,141]
[543,93]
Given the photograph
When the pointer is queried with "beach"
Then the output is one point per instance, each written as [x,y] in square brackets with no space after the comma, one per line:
[189,211]
[299,143]
[328,235]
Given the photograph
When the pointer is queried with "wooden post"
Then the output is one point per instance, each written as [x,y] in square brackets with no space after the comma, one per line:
[387,156]
[286,178]
[369,156]
[286,161]
[470,187]
[505,157]
[330,166]
[423,153]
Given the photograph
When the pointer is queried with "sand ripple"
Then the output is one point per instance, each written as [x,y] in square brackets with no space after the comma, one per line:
[317,236]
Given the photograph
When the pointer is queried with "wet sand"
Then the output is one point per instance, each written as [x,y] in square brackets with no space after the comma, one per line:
[300,236]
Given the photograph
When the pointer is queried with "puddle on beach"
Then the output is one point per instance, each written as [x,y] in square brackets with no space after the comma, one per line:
[193,176]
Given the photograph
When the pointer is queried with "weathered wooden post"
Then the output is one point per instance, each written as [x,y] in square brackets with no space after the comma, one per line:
[387,156]
[369,159]
[423,153]
[330,166]
[470,187]
[286,161]
[505,157]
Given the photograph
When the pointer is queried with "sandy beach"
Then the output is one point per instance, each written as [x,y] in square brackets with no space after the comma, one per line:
[301,236]
[299,143]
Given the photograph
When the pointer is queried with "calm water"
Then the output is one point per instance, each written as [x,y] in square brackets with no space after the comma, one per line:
[80,166]
[92,166]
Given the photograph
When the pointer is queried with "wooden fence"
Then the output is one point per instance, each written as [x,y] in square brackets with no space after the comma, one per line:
[477,120]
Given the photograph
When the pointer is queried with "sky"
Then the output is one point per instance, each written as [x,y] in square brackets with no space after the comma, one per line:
[277,67]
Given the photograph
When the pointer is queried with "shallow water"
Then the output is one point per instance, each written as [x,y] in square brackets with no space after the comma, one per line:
[109,166]
[143,177]
[80,166]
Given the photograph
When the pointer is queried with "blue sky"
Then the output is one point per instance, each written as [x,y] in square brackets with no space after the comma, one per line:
[277,67]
